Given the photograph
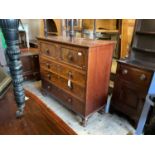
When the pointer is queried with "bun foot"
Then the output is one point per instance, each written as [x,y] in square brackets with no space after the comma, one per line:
[43,92]
[84,122]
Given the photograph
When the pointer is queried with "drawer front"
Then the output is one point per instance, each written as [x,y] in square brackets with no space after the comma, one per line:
[69,101]
[64,71]
[49,49]
[135,75]
[65,84]
[74,56]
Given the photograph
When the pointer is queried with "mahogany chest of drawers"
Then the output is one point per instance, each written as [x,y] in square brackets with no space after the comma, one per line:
[76,72]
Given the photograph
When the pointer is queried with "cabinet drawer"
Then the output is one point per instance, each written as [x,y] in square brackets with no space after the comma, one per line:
[49,49]
[135,75]
[74,56]
[64,71]
[69,101]
[64,84]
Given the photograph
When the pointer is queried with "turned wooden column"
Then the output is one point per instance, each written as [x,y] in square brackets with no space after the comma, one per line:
[10,31]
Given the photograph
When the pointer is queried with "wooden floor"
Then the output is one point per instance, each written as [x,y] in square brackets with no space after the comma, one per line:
[38,119]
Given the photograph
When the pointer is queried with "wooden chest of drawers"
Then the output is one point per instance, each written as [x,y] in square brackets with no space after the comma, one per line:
[76,72]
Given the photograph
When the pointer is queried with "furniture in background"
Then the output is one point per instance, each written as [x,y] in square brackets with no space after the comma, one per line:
[5,82]
[76,71]
[135,73]
[30,62]
[23,31]
[10,31]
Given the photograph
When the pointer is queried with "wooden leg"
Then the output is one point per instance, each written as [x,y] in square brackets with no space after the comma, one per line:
[84,122]
[43,92]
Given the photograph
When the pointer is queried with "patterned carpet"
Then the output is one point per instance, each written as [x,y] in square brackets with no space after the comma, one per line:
[98,124]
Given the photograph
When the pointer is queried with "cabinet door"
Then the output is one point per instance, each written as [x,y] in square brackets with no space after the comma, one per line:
[128,99]
[35,66]
[27,62]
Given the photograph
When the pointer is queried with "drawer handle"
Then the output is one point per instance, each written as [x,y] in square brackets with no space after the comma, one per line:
[48,87]
[143,77]
[125,71]
[48,51]
[69,74]
[49,76]
[69,100]
[70,57]
[48,65]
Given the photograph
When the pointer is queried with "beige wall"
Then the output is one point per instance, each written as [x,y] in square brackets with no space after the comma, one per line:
[34,27]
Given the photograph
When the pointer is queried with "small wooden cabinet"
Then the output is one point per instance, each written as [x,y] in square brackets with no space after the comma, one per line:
[30,62]
[131,87]
[134,75]
[76,71]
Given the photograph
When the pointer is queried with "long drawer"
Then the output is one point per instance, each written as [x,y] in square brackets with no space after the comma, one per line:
[64,84]
[68,100]
[65,71]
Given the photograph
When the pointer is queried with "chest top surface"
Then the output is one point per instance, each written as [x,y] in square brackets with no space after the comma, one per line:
[83,42]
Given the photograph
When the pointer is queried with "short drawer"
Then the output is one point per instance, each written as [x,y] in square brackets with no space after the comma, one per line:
[68,100]
[64,84]
[74,56]
[64,71]
[135,75]
[49,49]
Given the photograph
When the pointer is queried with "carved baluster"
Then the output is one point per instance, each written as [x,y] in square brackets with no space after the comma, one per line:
[10,30]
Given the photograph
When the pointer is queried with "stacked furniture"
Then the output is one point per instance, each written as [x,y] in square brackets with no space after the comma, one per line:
[134,74]
[76,71]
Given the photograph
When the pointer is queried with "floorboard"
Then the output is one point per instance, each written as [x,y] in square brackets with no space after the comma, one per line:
[37,120]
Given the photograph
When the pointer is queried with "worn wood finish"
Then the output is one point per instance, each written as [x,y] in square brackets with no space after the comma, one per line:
[99,65]
[134,75]
[78,77]
[126,36]
[38,119]
[131,87]
[63,83]
[65,98]
[30,62]
[78,74]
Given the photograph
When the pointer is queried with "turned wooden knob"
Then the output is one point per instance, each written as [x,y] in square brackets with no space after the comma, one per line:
[48,65]
[69,100]
[48,51]
[49,76]
[143,77]
[48,87]
[125,71]
[70,74]
[70,57]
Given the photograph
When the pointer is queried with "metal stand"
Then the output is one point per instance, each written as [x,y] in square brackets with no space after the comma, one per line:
[10,30]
